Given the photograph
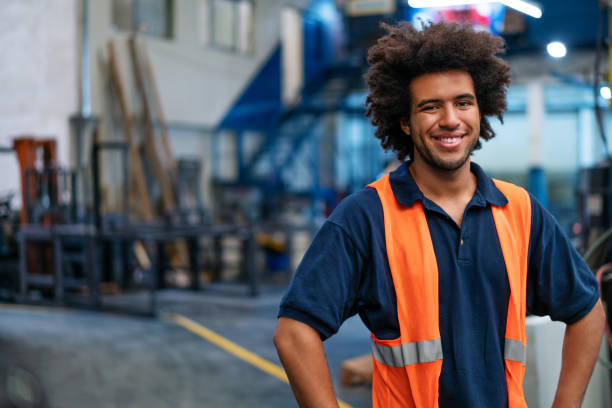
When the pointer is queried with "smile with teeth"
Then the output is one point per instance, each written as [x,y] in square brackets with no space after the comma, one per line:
[448,139]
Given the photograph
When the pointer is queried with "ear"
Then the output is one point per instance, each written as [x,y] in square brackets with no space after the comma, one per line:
[405,125]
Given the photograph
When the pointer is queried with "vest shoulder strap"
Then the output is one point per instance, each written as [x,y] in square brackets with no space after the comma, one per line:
[513,223]
[517,211]
[516,195]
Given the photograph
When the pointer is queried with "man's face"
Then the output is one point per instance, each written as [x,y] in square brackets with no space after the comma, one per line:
[444,119]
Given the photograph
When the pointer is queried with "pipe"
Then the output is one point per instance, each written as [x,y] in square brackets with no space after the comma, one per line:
[85,95]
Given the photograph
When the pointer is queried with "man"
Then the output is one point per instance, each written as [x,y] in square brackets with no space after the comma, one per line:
[441,262]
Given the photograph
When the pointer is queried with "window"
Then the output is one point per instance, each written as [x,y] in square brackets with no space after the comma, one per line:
[227,24]
[153,17]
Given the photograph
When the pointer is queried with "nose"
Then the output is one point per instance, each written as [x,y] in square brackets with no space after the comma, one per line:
[449,119]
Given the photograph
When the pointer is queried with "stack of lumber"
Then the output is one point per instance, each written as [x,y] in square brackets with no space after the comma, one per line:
[162,166]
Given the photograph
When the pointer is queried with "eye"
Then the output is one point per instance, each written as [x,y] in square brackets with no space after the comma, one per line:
[429,108]
[465,103]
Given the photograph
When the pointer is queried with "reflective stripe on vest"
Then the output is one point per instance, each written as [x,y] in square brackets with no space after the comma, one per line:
[407,369]
[401,355]
[426,351]
[515,350]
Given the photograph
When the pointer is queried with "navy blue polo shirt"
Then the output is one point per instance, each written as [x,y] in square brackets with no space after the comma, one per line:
[345,271]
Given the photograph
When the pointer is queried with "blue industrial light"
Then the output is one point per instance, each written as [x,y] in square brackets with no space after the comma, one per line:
[326,10]
[605,92]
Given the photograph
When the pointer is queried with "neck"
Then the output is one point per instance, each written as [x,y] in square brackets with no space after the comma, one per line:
[442,184]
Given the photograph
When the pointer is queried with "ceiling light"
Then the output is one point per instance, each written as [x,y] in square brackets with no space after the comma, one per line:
[524,7]
[556,49]
[605,92]
[520,5]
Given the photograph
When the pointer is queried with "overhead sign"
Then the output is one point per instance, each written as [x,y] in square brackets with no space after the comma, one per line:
[487,17]
[356,8]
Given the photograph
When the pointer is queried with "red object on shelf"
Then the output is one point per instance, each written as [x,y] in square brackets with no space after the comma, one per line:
[27,149]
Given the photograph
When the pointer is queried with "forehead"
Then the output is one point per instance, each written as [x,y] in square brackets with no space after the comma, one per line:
[441,85]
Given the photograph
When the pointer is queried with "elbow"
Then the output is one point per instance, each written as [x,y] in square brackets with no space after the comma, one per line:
[594,322]
[281,336]
[277,338]
[600,315]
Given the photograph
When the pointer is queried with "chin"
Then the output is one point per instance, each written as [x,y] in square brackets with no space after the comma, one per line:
[449,165]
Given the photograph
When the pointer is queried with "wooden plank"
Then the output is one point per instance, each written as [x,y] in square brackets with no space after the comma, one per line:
[138,179]
[140,185]
[157,106]
[178,252]
[150,146]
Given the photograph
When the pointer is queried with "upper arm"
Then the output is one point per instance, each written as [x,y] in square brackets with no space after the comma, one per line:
[288,328]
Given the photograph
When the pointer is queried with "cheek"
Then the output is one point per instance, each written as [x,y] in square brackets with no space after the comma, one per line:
[477,120]
[472,119]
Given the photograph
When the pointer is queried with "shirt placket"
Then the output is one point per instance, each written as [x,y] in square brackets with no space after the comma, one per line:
[463,255]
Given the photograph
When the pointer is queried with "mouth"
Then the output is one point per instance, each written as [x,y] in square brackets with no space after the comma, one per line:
[448,142]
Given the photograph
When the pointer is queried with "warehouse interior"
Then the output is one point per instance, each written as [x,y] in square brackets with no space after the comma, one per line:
[166,164]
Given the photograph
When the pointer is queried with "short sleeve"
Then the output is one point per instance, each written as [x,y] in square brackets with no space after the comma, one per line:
[324,287]
[337,276]
[559,282]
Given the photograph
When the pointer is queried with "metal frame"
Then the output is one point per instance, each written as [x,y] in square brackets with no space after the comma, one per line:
[55,235]
[95,236]
[155,236]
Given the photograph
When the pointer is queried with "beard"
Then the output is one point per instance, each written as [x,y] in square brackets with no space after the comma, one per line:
[437,162]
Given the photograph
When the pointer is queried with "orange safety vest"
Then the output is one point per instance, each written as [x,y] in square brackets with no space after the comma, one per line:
[407,369]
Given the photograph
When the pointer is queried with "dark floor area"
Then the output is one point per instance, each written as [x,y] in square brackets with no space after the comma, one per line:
[66,358]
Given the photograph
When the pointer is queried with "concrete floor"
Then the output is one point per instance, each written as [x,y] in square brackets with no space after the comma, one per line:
[75,358]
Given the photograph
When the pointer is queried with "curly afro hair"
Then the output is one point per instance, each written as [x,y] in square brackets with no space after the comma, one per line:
[405,53]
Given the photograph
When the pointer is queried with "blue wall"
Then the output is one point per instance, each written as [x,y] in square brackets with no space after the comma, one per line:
[260,104]
[261,100]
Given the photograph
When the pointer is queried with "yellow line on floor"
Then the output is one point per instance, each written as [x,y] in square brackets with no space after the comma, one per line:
[233,348]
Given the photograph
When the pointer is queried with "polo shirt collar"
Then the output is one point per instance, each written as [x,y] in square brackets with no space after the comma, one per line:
[407,192]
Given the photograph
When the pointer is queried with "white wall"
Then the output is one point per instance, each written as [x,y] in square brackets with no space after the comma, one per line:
[40,42]
[569,137]
[38,39]
[507,151]
[198,84]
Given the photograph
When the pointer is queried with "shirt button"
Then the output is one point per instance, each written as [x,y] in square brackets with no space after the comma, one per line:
[461,242]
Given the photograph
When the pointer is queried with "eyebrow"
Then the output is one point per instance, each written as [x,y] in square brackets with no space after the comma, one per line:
[462,96]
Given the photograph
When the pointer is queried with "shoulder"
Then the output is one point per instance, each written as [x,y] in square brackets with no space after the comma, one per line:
[512,192]
[359,206]
[517,194]
[515,205]
[543,221]
[360,217]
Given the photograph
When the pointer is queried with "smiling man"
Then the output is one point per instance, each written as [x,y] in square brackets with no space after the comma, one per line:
[445,112]
[441,262]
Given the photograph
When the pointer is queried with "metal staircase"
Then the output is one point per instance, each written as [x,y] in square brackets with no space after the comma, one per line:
[284,144]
